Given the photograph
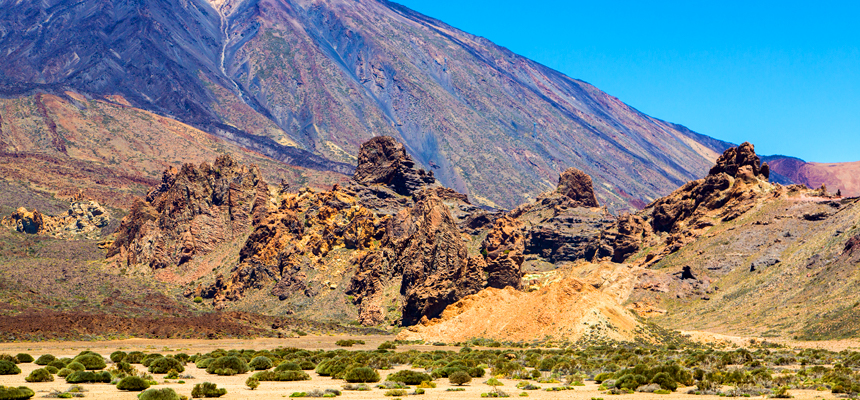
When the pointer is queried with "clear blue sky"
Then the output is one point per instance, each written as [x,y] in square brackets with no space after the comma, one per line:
[782,75]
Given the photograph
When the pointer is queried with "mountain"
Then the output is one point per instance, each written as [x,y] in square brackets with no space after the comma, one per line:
[844,177]
[307,81]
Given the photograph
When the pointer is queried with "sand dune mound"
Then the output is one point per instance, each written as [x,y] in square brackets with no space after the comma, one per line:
[567,308]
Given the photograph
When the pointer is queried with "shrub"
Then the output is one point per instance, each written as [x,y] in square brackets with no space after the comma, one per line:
[134,357]
[395,392]
[288,366]
[631,381]
[63,372]
[227,364]
[207,389]
[387,346]
[76,366]
[665,381]
[52,369]
[460,378]
[361,375]
[88,377]
[24,358]
[16,393]
[359,387]
[91,361]
[307,365]
[409,377]
[133,384]
[40,375]
[164,365]
[260,363]
[118,356]
[781,393]
[348,342]
[150,358]
[252,383]
[58,364]
[282,376]
[602,377]
[44,359]
[159,394]
[9,368]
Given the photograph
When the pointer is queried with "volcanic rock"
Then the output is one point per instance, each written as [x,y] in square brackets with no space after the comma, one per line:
[734,186]
[577,185]
[382,160]
[84,217]
[504,246]
[193,210]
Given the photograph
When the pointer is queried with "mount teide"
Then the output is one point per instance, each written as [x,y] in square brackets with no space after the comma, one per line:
[307,81]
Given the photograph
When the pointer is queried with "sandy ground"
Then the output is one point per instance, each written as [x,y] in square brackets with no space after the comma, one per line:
[719,340]
[235,385]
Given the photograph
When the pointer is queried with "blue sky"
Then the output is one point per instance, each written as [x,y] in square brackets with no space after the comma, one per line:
[782,75]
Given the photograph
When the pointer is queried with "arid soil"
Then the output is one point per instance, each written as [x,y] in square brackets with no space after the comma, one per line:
[269,390]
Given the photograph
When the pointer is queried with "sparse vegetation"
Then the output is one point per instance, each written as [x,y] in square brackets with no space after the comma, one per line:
[159,394]
[15,393]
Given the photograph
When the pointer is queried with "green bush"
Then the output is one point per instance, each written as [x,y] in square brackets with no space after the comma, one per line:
[460,378]
[288,366]
[260,363]
[602,377]
[307,365]
[16,393]
[118,356]
[76,366]
[52,369]
[9,357]
[44,359]
[24,358]
[348,342]
[63,372]
[163,365]
[159,394]
[88,377]
[387,346]
[150,358]
[207,389]
[9,368]
[361,375]
[282,376]
[134,357]
[409,377]
[58,364]
[252,383]
[133,384]
[665,381]
[395,392]
[226,364]
[91,361]
[39,375]
[631,381]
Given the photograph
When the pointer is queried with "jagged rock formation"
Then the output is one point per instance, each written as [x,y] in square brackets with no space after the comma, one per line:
[193,210]
[382,160]
[391,235]
[563,225]
[577,185]
[734,185]
[85,217]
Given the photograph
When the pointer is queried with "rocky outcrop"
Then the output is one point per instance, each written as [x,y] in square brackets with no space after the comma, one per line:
[25,221]
[577,185]
[735,185]
[84,218]
[382,160]
[564,225]
[733,160]
[194,210]
[504,247]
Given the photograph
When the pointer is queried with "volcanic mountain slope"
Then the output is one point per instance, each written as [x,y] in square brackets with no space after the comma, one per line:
[110,152]
[299,80]
[842,177]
